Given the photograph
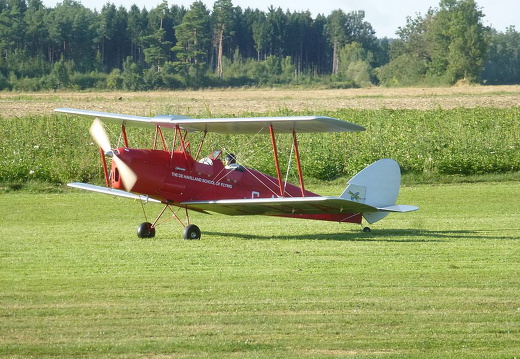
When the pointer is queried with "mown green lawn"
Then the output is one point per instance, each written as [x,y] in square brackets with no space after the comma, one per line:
[443,282]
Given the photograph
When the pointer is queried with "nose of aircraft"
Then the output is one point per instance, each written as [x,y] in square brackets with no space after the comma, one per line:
[98,133]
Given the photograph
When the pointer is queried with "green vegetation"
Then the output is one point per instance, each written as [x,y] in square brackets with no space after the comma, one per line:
[434,143]
[438,283]
[174,47]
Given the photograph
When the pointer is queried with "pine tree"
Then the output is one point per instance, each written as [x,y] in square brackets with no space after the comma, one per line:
[193,40]
[222,21]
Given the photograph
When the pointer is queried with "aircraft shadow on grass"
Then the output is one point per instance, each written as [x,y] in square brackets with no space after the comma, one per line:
[383,235]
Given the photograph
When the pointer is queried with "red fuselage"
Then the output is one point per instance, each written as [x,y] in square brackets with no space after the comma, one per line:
[179,178]
[176,177]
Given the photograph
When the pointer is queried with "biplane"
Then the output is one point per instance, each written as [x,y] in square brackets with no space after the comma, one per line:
[183,180]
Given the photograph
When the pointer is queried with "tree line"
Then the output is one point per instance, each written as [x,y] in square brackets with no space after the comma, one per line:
[170,47]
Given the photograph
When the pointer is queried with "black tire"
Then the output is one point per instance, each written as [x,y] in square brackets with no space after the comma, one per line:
[191,232]
[145,230]
[367,230]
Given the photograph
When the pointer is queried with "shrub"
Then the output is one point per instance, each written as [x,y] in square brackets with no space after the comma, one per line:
[82,81]
[405,70]
[115,80]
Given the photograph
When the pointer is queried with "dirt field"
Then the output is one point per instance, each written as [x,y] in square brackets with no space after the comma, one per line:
[207,103]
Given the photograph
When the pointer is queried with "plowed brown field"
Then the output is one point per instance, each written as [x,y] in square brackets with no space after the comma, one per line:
[207,103]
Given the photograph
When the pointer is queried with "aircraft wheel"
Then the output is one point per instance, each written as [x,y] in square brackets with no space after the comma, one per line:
[191,231]
[367,230]
[145,230]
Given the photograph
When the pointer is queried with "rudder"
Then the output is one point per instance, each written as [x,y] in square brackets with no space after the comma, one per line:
[377,185]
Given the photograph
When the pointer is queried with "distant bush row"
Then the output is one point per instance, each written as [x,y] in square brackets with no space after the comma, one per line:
[58,149]
[248,73]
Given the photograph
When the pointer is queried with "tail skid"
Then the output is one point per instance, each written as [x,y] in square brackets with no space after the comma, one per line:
[377,186]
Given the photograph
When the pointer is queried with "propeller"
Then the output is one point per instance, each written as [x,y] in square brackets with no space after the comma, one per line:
[98,133]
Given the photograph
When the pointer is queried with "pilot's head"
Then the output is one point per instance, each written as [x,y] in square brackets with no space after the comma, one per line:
[230,158]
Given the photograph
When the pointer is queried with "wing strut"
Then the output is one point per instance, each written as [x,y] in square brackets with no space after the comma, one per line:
[277,163]
[123,132]
[159,133]
[183,145]
[105,168]
[200,145]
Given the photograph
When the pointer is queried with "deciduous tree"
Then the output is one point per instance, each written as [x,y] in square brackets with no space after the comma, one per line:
[458,40]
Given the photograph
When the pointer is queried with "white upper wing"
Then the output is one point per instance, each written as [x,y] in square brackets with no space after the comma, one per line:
[244,125]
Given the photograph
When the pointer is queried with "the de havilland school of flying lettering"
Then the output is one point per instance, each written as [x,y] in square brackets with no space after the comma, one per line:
[183,180]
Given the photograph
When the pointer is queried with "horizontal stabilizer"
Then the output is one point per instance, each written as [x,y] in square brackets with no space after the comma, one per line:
[112,192]
[399,208]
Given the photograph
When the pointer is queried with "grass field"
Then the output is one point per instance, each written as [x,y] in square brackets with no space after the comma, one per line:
[443,282]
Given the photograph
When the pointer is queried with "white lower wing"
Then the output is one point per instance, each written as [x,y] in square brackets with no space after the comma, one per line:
[112,192]
[281,206]
[262,206]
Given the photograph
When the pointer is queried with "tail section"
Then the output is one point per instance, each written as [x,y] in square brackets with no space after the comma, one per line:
[377,186]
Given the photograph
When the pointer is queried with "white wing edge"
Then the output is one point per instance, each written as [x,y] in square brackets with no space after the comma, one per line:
[103,115]
[112,192]
[273,200]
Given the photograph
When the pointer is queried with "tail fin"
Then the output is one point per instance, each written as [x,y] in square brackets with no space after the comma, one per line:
[377,186]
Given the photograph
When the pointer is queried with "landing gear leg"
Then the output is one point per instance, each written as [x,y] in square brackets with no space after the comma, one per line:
[147,229]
